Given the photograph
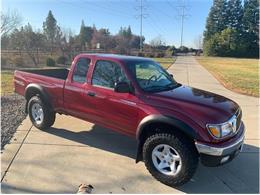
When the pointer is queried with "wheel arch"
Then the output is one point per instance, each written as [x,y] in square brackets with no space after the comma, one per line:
[37,90]
[149,125]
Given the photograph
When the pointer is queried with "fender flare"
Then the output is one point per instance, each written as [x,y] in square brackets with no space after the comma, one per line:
[186,129]
[41,92]
[182,126]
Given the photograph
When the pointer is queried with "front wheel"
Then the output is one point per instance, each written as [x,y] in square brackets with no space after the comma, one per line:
[171,159]
[41,116]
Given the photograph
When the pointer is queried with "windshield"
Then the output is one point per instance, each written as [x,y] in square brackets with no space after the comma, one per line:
[151,77]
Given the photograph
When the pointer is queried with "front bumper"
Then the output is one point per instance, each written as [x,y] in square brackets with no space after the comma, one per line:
[215,155]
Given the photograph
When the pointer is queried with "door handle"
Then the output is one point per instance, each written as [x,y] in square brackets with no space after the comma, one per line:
[91,94]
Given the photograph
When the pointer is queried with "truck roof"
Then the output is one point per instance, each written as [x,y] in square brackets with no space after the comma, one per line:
[115,56]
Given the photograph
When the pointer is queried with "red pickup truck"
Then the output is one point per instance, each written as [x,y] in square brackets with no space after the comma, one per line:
[175,125]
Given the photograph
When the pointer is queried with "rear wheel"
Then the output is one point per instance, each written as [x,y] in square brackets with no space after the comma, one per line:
[171,159]
[40,114]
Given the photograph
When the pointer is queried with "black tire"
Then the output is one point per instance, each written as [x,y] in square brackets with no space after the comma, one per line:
[48,115]
[186,150]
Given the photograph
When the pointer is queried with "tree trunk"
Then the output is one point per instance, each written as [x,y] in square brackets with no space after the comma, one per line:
[37,55]
[20,52]
[32,58]
[52,47]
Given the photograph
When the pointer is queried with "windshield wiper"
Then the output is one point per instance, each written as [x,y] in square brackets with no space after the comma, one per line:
[157,88]
[153,87]
[173,85]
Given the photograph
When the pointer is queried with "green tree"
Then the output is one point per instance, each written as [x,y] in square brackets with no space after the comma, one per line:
[234,15]
[250,25]
[217,19]
[50,29]
[235,32]
[129,32]
[227,42]
[234,28]
[125,32]
[125,40]
[210,47]
[121,31]
[221,44]
[85,35]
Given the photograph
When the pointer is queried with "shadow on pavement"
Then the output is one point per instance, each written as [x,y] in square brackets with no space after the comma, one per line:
[102,138]
[239,176]
[10,189]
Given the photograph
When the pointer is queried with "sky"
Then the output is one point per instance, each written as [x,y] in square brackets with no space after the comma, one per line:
[161,17]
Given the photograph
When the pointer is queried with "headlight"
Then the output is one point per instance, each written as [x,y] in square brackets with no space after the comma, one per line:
[224,129]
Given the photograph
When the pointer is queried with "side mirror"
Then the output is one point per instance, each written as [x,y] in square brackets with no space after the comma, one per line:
[122,87]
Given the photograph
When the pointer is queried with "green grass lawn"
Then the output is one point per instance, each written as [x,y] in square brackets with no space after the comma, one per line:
[165,62]
[237,74]
[7,86]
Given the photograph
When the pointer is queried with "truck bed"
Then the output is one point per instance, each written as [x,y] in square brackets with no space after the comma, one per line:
[55,73]
[51,80]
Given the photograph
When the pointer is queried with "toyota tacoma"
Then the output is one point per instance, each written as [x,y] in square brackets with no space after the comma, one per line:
[176,125]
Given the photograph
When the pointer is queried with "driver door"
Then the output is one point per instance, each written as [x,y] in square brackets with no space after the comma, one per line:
[119,110]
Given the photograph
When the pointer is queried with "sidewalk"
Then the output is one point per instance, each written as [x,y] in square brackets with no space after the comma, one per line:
[74,152]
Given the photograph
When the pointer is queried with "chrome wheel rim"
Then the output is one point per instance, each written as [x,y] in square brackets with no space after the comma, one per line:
[37,113]
[166,159]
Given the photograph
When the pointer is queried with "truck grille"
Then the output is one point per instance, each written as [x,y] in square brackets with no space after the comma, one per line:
[239,117]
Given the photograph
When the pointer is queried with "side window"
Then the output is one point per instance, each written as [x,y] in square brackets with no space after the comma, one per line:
[80,71]
[107,74]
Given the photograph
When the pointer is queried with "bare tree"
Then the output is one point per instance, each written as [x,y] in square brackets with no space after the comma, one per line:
[31,42]
[67,33]
[66,41]
[10,21]
[157,41]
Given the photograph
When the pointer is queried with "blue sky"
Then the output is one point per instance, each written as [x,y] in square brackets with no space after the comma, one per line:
[162,16]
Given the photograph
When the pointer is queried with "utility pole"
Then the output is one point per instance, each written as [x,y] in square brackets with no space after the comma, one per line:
[182,21]
[182,10]
[142,16]
[141,25]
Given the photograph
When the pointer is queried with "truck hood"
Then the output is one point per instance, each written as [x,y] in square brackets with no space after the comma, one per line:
[201,106]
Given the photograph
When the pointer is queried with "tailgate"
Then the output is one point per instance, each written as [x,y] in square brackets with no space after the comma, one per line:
[19,82]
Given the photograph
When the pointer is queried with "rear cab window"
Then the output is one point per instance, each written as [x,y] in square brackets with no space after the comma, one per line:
[107,73]
[81,70]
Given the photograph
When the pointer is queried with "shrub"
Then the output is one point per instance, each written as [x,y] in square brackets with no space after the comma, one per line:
[169,53]
[140,54]
[61,60]
[18,61]
[50,62]
[151,55]
[160,55]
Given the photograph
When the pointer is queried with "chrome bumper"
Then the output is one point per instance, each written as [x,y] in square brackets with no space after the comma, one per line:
[221,151]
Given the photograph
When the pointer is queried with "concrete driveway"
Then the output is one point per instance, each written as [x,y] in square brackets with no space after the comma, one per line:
[74,152]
